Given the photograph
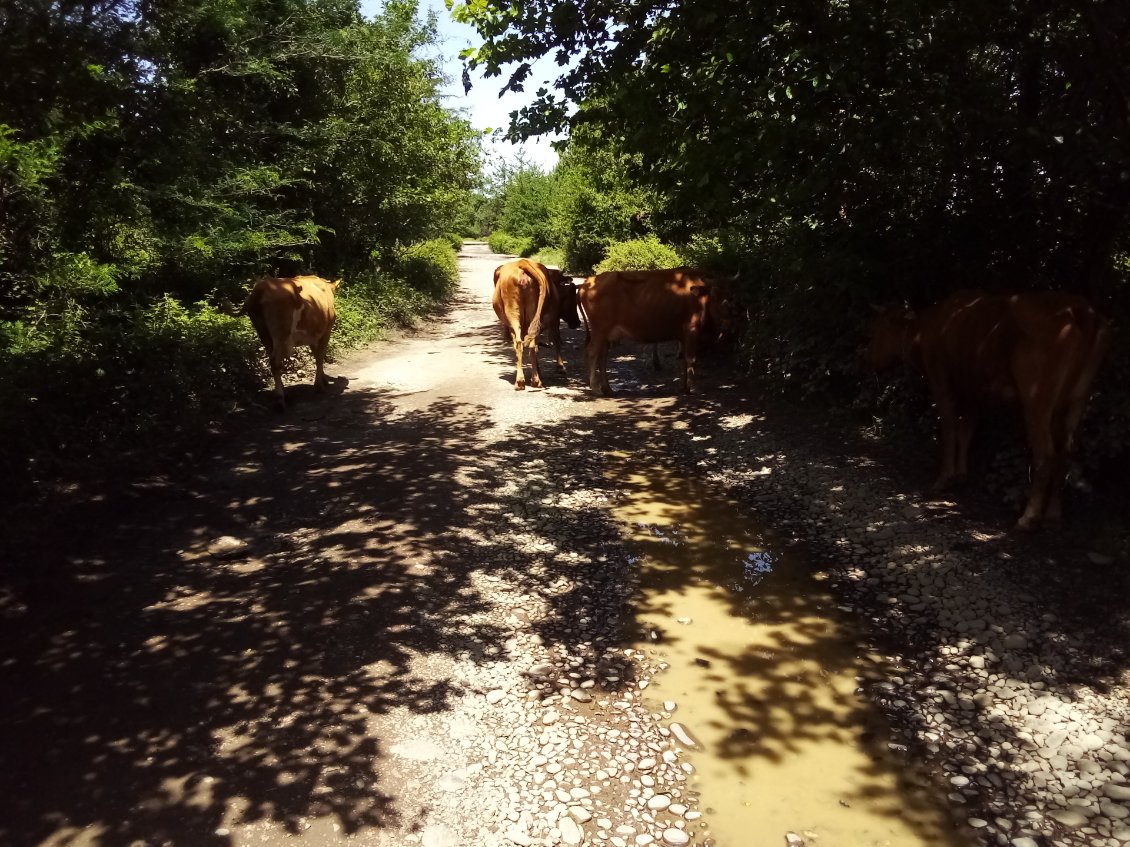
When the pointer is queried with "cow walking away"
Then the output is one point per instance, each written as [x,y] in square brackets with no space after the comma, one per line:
[679,304]
[1041,348]
[530,298]
[291,311]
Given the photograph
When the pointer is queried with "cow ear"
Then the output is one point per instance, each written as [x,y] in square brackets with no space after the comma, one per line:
[334,285]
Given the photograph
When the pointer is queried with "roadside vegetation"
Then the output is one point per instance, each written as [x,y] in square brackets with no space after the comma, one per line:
[154,160]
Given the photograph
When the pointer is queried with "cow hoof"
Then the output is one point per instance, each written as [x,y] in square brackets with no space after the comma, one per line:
[1027,524]
[519,386]
[535,383]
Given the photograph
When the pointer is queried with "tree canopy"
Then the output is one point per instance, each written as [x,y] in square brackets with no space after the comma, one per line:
[182,146]
[900,141]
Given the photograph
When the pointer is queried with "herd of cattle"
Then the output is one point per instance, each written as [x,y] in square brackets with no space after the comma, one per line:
[1042,349]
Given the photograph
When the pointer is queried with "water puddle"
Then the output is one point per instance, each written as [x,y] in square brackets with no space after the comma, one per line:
[764,673]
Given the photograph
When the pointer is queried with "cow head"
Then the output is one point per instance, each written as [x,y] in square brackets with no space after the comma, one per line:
[721,317]
[891,334]
[567,295]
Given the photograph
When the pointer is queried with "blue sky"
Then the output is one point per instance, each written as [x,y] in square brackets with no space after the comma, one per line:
[483,107]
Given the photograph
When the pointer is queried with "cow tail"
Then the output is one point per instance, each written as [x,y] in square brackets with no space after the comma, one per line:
[584,314]
[543,288]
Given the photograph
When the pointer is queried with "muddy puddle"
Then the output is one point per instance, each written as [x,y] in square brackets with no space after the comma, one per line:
[764,672]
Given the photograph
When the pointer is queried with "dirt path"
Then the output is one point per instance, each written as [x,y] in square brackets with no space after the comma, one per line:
[322,677]
[396,615]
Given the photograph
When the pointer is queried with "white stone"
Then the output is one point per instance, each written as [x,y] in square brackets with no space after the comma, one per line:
[659,802]
[440,835]
[1072,818]
[580,814]
[682,736]
[571,832]
[1116,791]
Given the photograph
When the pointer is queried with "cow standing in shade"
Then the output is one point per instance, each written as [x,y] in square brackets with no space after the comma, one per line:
[1042,348]
[530,298]
[291,311]
[680,304]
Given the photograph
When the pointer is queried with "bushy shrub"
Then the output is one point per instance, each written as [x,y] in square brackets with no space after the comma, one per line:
[138,375]
[720,251]
[430,267]
[456,240]
[640,254]
[371,304]
[510,245]
[550,257]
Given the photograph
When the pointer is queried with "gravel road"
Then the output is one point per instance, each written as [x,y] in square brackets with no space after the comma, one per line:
[396,615]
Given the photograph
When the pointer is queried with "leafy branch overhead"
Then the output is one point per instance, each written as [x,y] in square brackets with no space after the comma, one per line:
[962,138]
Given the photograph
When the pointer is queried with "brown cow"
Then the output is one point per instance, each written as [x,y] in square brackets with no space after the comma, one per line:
[1043,348]
[530,298]
[292,311]
[561,305]
[648,307]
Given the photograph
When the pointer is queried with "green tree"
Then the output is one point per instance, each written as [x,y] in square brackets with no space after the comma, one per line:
[156,155]
[597,201]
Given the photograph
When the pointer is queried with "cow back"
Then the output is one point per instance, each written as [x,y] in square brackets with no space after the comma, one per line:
[518,289]
[646,306]
[985,341]
[294,310]
[319,308]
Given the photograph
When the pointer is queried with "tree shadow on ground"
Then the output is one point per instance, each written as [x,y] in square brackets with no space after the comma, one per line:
[162,688]
[166,684]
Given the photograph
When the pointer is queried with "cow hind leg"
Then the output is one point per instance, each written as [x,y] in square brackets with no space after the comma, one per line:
[1053,511]
[321,381]
[605,386]
[690,358]
[596,353]
[1045,461]
[276,358]
[519,365]
[554,334]
[966,426]
[535,374]
[948,423]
